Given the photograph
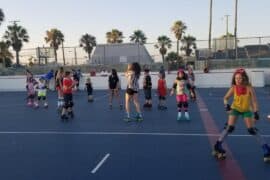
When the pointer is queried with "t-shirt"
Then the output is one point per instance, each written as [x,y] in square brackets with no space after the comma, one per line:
[148,83]
[67,86]
[113,80]
[161,87]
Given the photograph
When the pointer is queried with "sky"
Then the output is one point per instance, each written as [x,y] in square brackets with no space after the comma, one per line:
[154,18]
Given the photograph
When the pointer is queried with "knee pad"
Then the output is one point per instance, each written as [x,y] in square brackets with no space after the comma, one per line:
[185,104]
[70,104]
[252,131]
[230,128]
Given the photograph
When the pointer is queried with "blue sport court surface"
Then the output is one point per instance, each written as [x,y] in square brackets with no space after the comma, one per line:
[97,144]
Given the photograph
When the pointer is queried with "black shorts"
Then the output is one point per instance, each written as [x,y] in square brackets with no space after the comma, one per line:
[68,99]
[130,91]
[147,94]
[42,97]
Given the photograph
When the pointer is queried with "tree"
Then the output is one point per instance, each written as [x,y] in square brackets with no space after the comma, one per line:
[15,36]
[2,16]
[174,60]
[178,29]
[138,36]
[5,54]
[189,44]
[163,44]
[88,42]
[55,37]
[114,36]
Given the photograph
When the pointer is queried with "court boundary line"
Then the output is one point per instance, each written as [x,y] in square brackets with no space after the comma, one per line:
[100,163]
[122,133]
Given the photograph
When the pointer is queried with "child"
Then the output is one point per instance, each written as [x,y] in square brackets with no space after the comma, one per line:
[42,90]
[147,87]
[31,93]
[68,85]
[89,89]
[133,74]
[190,83]
[162,91]
[59,87]
[244,101]
[179,86]
[114,86]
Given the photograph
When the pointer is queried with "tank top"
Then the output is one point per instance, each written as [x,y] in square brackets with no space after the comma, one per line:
[241,102]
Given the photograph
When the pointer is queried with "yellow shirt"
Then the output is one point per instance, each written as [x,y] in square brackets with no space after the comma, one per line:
[241,102]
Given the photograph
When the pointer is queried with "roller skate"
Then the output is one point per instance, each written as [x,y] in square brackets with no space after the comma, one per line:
[36,105]
[127,119]
[29,104]
[179,116]
[266,153]
[187,116]
[64,117]
[138,118]
[90,99]
[71,114]
[218,151]
[45,105]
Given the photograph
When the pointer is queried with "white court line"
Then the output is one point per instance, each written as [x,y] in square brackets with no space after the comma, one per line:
[100,163]
[120,133]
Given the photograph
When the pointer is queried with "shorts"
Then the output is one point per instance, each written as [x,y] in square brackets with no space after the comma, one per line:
[68,99]
[147,94]
[247,114]
[42,97]
[182,98]
[130,91]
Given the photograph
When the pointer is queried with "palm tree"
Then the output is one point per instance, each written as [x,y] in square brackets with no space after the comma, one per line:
[5,54]
[178,29]
[88,42]
[55,37]
[2,16]
[15,36]
[114,36]
[189,43]
[138,36]
[163,43]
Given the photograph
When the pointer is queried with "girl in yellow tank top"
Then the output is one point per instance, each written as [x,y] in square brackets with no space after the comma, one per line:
[244,102]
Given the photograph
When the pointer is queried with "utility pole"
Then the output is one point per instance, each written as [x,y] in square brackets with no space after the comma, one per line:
[235,29]
[210,33]
[227,32]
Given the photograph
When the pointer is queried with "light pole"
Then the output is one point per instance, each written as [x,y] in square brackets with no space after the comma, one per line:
[227,32]
[235,28]
[210,34]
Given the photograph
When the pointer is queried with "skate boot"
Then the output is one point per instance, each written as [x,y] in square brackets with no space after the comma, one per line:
[187,116]
[266,153]
[218,151]
[179,116]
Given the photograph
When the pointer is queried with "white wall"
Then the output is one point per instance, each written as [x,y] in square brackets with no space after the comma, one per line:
[216,78]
